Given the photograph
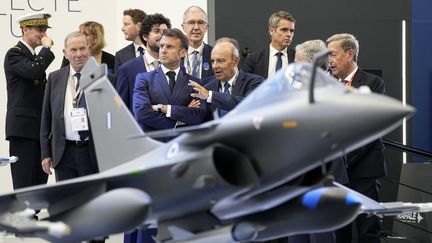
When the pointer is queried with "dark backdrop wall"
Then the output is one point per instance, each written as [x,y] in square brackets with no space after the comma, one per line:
[376,24]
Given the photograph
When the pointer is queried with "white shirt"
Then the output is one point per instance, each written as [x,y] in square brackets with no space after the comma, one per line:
[273,59]
[28,47]
[165,70]
[350,77]
[231,82]
[68,106]
[137,53]
[148,62]
[189,60]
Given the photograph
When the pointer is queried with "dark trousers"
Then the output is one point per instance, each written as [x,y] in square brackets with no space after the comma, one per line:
[77,160]
[27,171]
[367,227]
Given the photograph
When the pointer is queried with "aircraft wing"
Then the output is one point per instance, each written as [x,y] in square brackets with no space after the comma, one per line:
[370,206]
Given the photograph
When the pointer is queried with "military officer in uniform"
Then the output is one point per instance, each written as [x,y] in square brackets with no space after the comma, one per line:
[26,80]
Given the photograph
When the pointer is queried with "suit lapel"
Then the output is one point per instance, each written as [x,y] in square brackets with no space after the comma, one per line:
[25,50]
[357,79]
[163,82]
[265,57]
[62,87]
[180,85]
[236,88]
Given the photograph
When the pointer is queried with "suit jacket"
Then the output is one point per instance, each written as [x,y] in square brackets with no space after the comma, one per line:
[26,81]
[151,88]
[206,67]
[53,129]
[258,62]
[367,161]
[244,85]
[126,75]
[124,55]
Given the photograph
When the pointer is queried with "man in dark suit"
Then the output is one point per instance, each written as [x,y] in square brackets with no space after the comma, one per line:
[265,62]
[26,80]
[229,85]
[151,32]
[197,61]
[161,98]
[132,19]
[365,165]
[65,141]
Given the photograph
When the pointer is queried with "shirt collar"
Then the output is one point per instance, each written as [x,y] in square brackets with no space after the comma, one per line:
[28,47]
[273,51]
[351,75]
[165,70]
[199,50]
[148,59]
[136,47]
[232,80]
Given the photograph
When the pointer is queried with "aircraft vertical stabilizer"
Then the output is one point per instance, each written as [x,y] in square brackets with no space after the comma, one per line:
[113,127]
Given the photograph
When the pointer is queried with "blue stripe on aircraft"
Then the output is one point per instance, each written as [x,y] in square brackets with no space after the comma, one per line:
[351,199]
[311,199]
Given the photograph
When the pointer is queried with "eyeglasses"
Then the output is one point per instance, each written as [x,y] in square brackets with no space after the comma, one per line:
[192,23]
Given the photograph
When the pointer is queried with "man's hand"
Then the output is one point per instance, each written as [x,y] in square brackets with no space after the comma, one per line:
[194,104]
[47,165]
[201,92]
[47,42]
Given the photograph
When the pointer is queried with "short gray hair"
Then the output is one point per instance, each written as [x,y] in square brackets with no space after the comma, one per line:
[347,42]
[235,50]
[194,9]
[73,35]
[276,17]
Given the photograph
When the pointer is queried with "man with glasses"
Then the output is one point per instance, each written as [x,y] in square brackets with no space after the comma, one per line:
[197,61]
[150,33]
[281,26]
[26,80]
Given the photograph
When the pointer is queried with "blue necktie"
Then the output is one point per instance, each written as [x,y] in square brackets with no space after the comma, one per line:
[222,112]
[279,61]
[195,64]
[81,104]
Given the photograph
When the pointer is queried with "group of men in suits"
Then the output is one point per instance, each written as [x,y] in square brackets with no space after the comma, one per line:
[167,79]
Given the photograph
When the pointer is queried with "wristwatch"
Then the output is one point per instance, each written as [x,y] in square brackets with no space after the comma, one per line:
[159,107]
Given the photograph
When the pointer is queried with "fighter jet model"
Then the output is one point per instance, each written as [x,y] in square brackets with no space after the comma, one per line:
[258,173]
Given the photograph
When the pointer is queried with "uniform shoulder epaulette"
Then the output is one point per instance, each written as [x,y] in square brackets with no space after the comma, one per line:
[17,47]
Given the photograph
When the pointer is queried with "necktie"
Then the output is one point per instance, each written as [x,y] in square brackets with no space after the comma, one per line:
[223,112]
[279,61]
[171,75]
[81,104]
[155,64]
[141,50]
[195,64]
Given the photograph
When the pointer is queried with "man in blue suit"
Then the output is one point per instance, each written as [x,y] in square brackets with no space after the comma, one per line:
[197,61]
[229,85]
[150,33]
[161,98]
[278,54]
[132,19]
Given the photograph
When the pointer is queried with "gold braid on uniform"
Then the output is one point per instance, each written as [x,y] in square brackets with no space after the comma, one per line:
[34,22]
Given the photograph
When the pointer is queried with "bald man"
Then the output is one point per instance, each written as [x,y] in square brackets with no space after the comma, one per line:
[229,85]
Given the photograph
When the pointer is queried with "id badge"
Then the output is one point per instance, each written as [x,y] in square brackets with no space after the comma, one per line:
[79,119]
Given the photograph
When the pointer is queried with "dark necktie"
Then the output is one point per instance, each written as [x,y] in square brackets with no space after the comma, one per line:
[279,61]
[222,112]
[141,50]
[81,104]
[171,75]
[195,64]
